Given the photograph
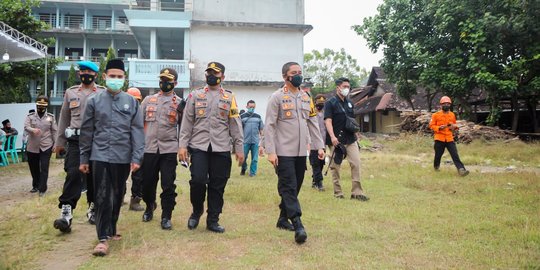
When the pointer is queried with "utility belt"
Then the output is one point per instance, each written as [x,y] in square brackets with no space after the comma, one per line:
[72,133]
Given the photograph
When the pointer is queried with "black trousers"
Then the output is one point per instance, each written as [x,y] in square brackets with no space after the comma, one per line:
[137,183]
[153,165]
[71,192]
[39,168]
[109,185]
[209,171]
[290,172]
[317,166]
[452,149]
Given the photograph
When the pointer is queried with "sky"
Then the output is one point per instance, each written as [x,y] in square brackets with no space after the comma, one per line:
[332,21]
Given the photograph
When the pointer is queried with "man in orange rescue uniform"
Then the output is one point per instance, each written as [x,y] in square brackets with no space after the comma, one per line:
[443,123]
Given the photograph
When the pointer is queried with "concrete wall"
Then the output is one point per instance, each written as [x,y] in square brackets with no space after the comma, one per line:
[259,11]
[260,94]
[249,54]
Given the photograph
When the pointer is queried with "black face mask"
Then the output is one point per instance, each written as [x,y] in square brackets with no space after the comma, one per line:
[41,110]
[446,108]
[87,79]
[320,107]
[212,80]
[296,80]
[166,86]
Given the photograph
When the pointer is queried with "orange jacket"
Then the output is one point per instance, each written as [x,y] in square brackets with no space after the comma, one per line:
[441,118]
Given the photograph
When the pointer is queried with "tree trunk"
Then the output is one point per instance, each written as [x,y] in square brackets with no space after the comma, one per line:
[531,105]
[515,108]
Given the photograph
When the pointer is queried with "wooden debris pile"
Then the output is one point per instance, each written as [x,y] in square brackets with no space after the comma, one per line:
[418,122]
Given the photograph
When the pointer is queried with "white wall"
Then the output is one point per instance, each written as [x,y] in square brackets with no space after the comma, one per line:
[16,113]
[249,54]
[257,11]
[260,94]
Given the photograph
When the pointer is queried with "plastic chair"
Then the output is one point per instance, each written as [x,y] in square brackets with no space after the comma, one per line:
[12,150]
[3,153]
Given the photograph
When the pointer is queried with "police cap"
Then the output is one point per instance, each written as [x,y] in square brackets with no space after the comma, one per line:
[88,65]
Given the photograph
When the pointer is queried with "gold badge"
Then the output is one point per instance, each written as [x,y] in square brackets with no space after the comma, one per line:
[201,112]
[288,113]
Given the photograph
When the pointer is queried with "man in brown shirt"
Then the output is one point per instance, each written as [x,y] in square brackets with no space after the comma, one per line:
[209,123]
[69,125]
[41,128]
[162,116]
[291,125]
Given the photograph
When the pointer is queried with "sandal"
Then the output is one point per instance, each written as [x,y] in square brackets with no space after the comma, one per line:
[101,249]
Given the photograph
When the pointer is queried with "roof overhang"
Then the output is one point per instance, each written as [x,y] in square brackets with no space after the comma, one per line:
[19,46]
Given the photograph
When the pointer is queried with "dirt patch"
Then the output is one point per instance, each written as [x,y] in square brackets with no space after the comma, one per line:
[74,248]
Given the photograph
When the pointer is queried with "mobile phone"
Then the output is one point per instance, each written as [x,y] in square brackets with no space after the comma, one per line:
[184,164]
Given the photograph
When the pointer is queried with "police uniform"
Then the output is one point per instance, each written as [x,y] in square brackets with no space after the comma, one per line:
[111,139]
[39,147]
[162,116]
[291,125]
[69,126]
[316,163]
[209,123]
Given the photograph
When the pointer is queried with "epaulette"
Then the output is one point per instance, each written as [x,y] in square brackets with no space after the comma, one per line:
[228,91]
[101,86]
[74,87]
[50,114]
[32,113]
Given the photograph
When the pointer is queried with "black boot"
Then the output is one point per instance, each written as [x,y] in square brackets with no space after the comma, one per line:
[149,212]
[283,222]
[300,234]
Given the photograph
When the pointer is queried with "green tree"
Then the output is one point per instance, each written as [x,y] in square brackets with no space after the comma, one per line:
[14,77]
[323,68]
[456,46]
[72,77]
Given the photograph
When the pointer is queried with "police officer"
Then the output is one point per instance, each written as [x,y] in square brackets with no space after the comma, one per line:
[209,123]
[69,126]
[291,125]
[162,115]
[112,139]
[41,128]
[316,163]
[136,176]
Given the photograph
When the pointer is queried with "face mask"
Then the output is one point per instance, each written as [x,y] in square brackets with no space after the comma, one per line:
[212,80]
[345,91]
[41,110]
[251,110]
[296,80]
[166,86]
[446,108]
[320,107]
[115,84]
[87,79]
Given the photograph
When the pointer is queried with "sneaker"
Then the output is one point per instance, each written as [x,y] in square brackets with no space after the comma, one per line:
[91,214]
[436,169]
[64,222]
[33,190]
[243,173]
[463,172]
[320,186]
[339,196]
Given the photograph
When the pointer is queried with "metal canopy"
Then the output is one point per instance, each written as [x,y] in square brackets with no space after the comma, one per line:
[19,46]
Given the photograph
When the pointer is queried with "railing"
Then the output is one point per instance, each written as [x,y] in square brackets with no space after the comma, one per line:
[73,22]
[144,72]
[20,37]
[161,5]
[49,19]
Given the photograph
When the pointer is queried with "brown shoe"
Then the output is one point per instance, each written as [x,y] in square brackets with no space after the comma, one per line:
[101,249]
[135,204]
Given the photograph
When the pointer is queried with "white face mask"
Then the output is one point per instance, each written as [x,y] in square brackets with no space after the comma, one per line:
[345,91]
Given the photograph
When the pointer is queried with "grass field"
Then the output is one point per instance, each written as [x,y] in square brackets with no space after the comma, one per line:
[416,218]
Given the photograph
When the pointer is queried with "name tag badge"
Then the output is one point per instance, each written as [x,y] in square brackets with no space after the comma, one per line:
[350,105]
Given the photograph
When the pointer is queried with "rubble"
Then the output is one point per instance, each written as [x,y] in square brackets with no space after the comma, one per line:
[418,122]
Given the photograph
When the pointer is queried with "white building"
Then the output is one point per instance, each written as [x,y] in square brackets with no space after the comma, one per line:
[253,39]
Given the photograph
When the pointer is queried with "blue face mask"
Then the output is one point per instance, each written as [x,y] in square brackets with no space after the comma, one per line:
[251,110]
[115,84]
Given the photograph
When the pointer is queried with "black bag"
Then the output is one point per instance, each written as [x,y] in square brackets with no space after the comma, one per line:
[351,125]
